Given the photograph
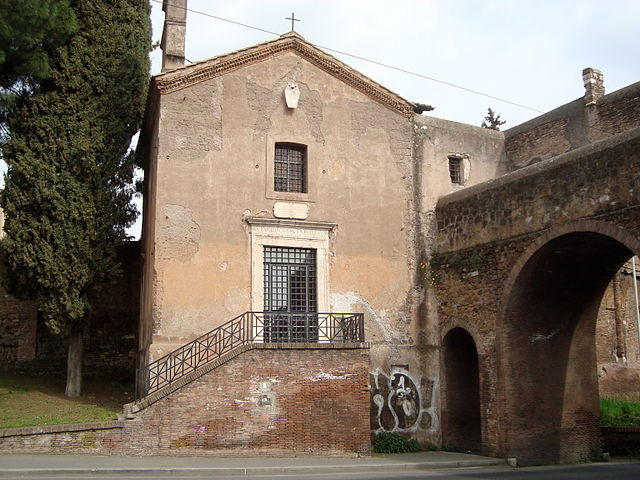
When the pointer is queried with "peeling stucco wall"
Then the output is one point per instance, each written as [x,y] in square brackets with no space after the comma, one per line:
[372,173]
[359,179]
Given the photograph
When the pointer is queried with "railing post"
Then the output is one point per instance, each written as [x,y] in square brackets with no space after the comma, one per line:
[289,326]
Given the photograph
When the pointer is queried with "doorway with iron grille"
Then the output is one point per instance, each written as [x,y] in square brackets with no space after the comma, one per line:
[290,294]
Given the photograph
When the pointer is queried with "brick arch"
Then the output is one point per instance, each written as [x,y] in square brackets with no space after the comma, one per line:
[461,399]
[546,333]
[470,328]
[584,225]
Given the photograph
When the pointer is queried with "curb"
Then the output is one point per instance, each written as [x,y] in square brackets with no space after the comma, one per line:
[247,471]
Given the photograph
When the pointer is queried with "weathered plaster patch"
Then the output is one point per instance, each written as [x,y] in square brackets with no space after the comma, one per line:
[345,302]
[265,100]
[237,300]
[179,235]
[155,320]
[397,128]
[311,104]
[261,100]
[329,376]
[197,115]
[182,323]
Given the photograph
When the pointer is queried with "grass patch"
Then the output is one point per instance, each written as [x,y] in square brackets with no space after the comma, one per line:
[619,413]
[30,400]
[388,442]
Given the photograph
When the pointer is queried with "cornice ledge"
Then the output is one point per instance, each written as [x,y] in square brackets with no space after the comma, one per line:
[284,223]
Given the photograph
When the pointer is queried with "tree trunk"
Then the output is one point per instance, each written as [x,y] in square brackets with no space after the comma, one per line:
[74,363]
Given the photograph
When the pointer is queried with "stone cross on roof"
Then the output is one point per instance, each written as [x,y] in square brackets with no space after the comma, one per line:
[293,19]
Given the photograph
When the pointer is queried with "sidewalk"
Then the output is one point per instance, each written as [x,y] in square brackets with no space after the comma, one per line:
[219,466]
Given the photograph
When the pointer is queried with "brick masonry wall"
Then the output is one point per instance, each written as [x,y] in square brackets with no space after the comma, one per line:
[485,236]
[610,348]
[589,182]
[261,402]
[537,143]
[113,325]
[17,329]
[617,345]
[571,126]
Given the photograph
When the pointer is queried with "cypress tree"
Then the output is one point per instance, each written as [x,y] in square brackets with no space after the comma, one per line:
[68,188]
[30,31]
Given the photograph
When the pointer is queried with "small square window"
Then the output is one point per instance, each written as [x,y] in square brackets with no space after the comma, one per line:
[455,170]
[290,168]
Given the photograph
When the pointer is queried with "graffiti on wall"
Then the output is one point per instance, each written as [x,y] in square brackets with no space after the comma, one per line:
[400,402]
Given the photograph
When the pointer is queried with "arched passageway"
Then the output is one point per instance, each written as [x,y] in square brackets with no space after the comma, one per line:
[461,426]
[548,348]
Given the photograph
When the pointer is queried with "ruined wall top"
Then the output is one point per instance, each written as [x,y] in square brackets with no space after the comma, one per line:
[589,181]
[585,120]
[593,85]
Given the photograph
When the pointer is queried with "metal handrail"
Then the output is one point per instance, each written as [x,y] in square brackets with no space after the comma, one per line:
[248,328]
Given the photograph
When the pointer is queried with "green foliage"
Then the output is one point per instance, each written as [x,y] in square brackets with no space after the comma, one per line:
[619,413]
[492,121]
[432,270]
[67,196]
[461,263]
[453,448]
[388,442]
[30,30]
[474,261]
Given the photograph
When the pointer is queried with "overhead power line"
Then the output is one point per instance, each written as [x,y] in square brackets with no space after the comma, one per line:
[364,59]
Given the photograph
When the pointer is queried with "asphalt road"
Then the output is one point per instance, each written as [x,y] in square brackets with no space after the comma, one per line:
[600,471]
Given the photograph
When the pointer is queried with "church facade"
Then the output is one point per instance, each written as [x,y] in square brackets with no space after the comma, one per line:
[282,181]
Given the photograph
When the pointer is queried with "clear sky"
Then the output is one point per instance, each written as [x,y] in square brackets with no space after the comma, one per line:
[529,52]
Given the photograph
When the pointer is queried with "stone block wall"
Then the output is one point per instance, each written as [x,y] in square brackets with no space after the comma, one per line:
[264,401]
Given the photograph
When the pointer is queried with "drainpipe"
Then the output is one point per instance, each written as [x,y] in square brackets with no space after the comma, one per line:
[635,293]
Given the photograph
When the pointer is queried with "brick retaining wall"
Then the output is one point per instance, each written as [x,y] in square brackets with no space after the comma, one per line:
[621,440]
[265,401]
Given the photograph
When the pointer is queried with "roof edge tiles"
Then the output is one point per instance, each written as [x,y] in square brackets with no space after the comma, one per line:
[189,75]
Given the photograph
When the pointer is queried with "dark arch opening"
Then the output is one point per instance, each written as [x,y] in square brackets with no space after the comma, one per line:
[461,407]
[551,386]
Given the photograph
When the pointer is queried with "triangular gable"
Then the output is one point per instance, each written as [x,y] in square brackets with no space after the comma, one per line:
[201,71]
